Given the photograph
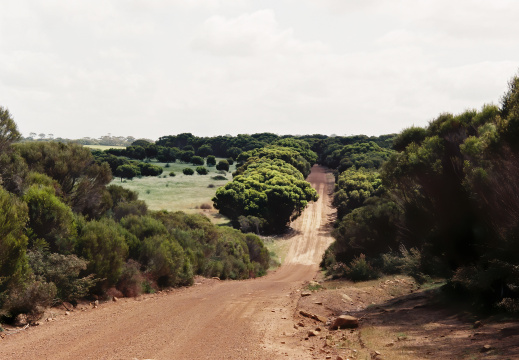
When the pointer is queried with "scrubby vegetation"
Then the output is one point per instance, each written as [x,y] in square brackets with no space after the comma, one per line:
[66,234]
[442,204]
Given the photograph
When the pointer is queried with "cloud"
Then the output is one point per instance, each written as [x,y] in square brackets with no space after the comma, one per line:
[253,34]
[215,66]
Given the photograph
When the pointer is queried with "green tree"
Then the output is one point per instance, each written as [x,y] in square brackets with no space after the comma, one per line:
[127,172]
[204,150]
[8,130]
[14,268]
[211,160]
[223,165]
[185,156]
[277,194]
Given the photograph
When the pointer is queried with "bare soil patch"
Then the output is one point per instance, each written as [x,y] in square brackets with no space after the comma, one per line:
[399,321]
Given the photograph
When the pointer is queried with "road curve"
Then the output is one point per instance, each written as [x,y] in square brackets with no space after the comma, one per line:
[215,320]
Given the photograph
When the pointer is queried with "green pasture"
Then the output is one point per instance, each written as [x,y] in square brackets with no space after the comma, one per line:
[181,192]
[104,147]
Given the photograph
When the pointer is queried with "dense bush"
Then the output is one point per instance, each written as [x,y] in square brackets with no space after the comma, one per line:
[188,171]
[222,165]
[211,160]
[197,160]
[50,219]
[201,170]
[103,245]
[64,272]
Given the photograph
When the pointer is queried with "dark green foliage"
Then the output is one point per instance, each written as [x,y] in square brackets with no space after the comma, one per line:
[454,187]
[165,154]
[353,188]
[81,179]
[288,155]
[64,272]
[230,161]
[223,165]
[141,142]
[204,150]
[50,219]
[172,173]
[258,253]
[8,130]
[271,190]
[367,155]
[370,230]
[188,171]
[185,156]
[218,177]
[301,146]
[359,269]
[164,259]
[201,170]
[211,160]
[14,268]
[408,136]
[234,152]
[252,224]
[135,152]
[197,160]
[149,169]
[213,251]
[127,172]
[103,245]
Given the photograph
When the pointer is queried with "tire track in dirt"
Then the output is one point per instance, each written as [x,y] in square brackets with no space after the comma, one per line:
[215,320]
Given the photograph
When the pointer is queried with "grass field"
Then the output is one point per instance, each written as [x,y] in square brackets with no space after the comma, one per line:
[104,147]
[181,192]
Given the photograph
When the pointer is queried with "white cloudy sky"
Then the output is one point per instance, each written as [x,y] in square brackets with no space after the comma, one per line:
[149,68]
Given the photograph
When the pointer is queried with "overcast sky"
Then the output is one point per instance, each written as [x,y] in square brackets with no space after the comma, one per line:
[148,68]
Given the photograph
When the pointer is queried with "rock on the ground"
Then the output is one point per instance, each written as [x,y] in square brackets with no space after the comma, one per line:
[345,321]
[306,293]
[347,298]
[486,348]
[20,320]
[313,316]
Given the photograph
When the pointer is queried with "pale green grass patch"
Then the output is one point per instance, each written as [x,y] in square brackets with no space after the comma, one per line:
[181,192]
[104,147]
[278,249]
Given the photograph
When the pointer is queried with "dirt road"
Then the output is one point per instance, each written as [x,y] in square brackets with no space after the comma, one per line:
[212,320]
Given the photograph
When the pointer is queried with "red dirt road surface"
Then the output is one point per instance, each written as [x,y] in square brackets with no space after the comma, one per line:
[212,320]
